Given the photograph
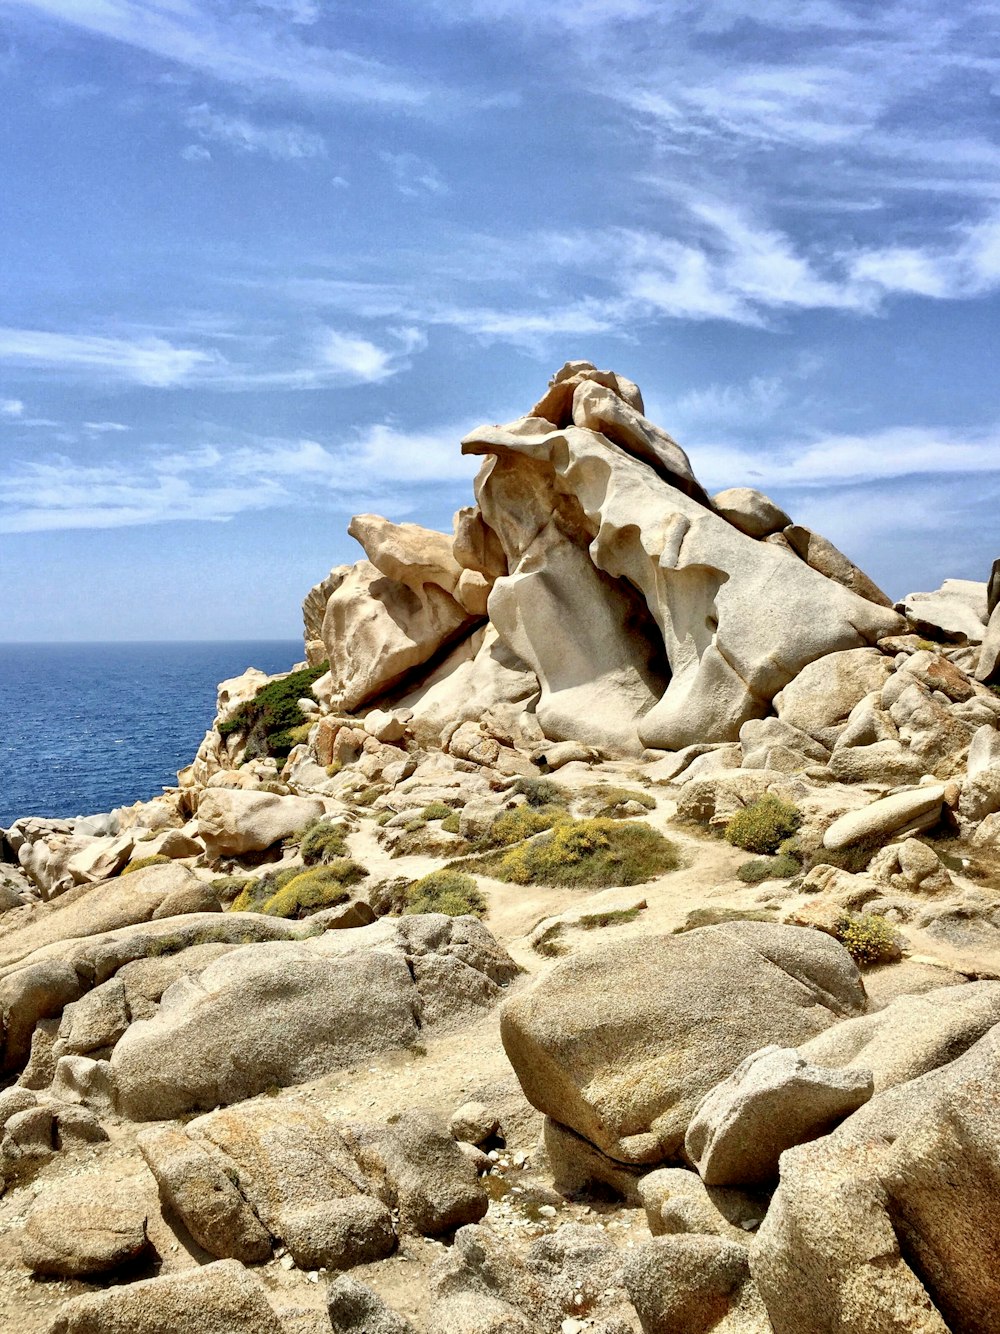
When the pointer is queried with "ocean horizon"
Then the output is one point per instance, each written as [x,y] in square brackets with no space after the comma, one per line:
[91,725]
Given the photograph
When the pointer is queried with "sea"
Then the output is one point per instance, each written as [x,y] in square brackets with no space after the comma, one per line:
[86,727]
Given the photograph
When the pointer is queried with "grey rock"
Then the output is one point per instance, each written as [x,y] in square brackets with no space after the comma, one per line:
[194,1182]
[772,1101]
[82,1226]
[219,1298]
[356,1309]
[473,1123]
[423,1174]
[339,1234]
[83,1080]
[910,811]
[750,511]
[620,1043]
[694,1284]
[677,1200]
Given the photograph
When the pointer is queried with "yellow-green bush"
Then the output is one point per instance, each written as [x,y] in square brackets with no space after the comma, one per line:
[448,892]
[319,887]
[322,842]
[540,791]
[452,825]
[591,853]
[764,825]
[522,822]
[437,810]
[143,862]
[868,939]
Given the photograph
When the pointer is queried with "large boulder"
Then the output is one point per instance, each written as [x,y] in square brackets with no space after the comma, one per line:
[890,1223]
[281,1013]
[83,1226]
[232,821]
[620,1044]
[825,692]
[956,611]
[919,808]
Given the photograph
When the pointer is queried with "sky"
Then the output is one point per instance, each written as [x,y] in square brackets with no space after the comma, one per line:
[264,262]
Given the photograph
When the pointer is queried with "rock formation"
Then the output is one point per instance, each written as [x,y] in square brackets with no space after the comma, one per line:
[623,846]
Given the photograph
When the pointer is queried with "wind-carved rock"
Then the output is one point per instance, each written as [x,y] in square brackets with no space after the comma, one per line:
[626,610]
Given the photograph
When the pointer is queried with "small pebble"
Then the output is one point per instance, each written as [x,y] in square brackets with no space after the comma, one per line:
[547,1211]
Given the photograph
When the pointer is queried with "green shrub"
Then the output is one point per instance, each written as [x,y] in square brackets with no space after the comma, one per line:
[768,868]
[868,939]
[271,722]
[413,825]
[615,798]
[321,842]
[854,858]
[522,822]
[452,825]
[142,862]
[256,893]
[368,795]
[764,825]
[229,886]
[448,892]
[437,810]
[590,853]
[540,791]
[320,887]
[384,817]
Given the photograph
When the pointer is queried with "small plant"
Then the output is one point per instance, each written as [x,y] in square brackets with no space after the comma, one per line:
[142,862]
[320,887]
[271,723]
[523,822]
[452,825]
[854,858]
[587,853]
[321,842]
[615,798]
[768,868]
[540,791]
[437,810]
[332,770]
[868,939]
[764,825]
[368,795]
[229,886]
[384,817]
[449,892]
[412,826]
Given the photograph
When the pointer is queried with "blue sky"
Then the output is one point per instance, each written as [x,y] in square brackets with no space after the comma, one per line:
[265,263]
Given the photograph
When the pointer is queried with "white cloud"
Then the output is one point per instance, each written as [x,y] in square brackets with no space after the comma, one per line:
[147,361]
[845,460]
[213,484]
[970,267]
[11,408]
[234,46]
[414,175]
[284,143]
[195,153]
[355,357]
[105,428]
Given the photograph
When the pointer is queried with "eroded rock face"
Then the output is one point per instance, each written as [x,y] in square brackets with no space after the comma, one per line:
[620,1044]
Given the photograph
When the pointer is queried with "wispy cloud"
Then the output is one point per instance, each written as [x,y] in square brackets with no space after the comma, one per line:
[825,460]
[148,361]
[12,408]
[234,45]
[414,175]
[213,484]
[330,357]
[283,143]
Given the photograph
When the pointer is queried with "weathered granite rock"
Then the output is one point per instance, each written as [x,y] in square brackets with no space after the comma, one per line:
[355,1309]
[231,821]
[218,1298]
[750,511]
[956,611]
[677,1200]
[772,1101]
[83,1226]
[911,811]
[694,1284]
[621,1043]
[823,694]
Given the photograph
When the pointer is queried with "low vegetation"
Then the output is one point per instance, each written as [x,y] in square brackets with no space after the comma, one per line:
[763,826]
[759,869]
[320,887]
[615,798]
[868,939]
[540,791]
[321,842]
[272,722]
[437,810]
[588,854]
[141,863]
[449,892]
[523,822]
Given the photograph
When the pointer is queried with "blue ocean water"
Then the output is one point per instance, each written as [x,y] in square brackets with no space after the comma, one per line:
[85,727]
